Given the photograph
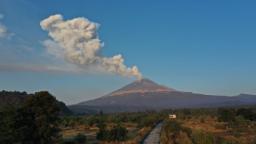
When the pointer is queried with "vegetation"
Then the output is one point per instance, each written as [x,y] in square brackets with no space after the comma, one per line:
[211,126]
[33,122]
[108,128]
[37,118]
[173,132]
[118,133]
[78,139]
[17,99]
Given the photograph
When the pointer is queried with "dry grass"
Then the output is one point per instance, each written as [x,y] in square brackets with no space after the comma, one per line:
[73,131]
[135,134]
[211,125]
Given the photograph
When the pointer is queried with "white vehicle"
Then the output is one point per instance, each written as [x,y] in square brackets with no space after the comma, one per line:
[172,116]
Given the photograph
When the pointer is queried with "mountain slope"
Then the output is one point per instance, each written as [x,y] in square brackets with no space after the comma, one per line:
[141,86]
[148,95]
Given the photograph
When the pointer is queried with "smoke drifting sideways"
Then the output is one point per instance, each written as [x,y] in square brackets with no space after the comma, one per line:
[77,42]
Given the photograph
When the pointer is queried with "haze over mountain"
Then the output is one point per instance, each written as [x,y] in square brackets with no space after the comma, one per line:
[145,94]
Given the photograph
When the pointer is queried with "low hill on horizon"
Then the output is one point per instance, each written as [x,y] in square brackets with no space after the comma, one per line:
[148,95]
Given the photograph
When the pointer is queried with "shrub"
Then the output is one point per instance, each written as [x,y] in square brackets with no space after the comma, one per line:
[199,137]
[118,133]
[170,131]
[226,115]
[202,120]
[173,126]
[187,130]
[220,126]
[183,138]
[103,134]
[80,139]
[247,113]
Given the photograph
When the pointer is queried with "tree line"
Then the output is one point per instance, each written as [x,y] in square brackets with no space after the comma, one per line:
[33,121]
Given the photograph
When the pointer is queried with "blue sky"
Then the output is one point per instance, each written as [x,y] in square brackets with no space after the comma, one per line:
[199,46]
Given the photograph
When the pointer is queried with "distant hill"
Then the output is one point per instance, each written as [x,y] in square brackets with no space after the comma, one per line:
[15,98]
[147,95]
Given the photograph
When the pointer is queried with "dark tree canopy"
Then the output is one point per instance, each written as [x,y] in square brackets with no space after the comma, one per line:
[226,115]
[33,122]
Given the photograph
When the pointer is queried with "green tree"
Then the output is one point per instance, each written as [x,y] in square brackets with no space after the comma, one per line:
[44,108]
[247,113]
[103,134]
[226,115]
[7,125]
[34,122]
[118,133]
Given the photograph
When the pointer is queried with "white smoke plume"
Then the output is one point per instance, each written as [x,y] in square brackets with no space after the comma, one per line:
[3,29]
[77,41]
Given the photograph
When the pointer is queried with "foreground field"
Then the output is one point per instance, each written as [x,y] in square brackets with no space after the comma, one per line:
[225,126]
[128,128]
[192,126]
[41,119]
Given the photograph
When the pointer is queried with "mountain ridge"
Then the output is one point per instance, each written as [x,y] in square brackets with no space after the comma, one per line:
[148,95]
[141,86]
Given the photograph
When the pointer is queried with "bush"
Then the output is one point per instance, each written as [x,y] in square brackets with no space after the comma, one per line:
[199,137]
[80,139]
[202,120]
[246,113]
[187,130]
[220,126]
[170,131]
[226,115]
[173,126]
[103,134]
[118,133]
[183,138]
[148,121]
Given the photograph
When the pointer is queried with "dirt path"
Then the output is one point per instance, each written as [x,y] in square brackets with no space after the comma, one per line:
[154,136]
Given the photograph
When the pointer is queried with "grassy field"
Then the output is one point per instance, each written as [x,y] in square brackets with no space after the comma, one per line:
[137,125]
[192,126]
[199,127]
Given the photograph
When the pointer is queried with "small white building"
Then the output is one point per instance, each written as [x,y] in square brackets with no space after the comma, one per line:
[172,116]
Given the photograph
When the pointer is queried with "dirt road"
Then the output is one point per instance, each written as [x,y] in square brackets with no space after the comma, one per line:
[154,136]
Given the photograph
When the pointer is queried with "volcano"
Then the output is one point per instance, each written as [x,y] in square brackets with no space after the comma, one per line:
[140,87]
[145,94]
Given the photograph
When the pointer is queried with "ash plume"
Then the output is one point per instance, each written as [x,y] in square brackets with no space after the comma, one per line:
[76,40]
[4,33]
